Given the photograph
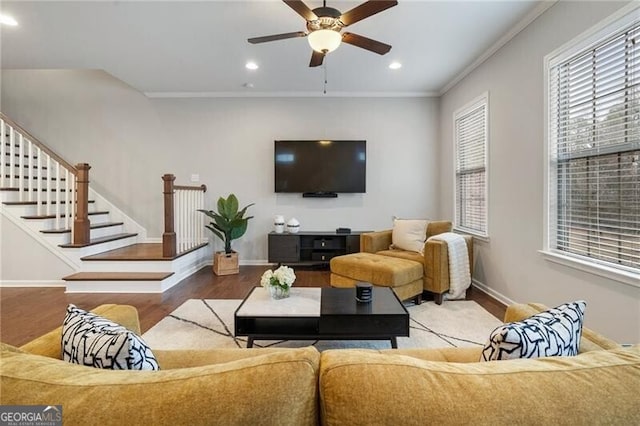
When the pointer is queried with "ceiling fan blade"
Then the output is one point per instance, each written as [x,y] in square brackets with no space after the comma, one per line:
[366,43]
[275,37]
[365,10]
[316,59]
[302,9]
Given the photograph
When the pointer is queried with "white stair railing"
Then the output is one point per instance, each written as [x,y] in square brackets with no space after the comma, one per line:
[189,221]
[184,224]
[38,175]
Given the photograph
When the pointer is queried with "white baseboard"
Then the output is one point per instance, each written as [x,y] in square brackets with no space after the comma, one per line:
[255,263]
[496,295]
[32,283]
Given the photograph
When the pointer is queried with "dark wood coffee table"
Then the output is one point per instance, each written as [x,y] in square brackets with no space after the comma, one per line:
[321,314]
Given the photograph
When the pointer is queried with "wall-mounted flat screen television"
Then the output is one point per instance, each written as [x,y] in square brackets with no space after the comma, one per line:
[321,167]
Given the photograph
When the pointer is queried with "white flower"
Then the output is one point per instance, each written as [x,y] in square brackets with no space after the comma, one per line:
[283,277]
[266,278]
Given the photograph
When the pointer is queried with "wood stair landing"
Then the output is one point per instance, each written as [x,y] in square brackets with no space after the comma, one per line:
[138,252]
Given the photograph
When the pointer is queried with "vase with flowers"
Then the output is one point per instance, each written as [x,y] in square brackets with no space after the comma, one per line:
[278,282]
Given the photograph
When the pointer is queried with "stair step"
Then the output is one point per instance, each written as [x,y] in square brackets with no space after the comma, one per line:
[53,216]
[33,203]
[100,240]
[118,276]
[67,230]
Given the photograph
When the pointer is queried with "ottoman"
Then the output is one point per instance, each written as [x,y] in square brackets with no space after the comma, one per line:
[402,275]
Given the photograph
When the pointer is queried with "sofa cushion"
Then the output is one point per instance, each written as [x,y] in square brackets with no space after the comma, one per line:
[8,348]
[278,388]
[409,234]
[555,332]
[362,388]
[91,340]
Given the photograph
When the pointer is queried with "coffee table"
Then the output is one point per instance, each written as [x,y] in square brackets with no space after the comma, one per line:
[321,314]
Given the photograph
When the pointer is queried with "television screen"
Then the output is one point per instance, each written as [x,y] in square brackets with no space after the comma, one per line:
[320,167]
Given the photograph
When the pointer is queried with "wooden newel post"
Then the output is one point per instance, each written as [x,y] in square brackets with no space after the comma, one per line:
[81,225]
[169,236]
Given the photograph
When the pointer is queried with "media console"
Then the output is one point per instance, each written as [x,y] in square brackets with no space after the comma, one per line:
[311,247]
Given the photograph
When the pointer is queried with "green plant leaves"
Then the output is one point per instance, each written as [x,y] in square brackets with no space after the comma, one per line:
[228,223]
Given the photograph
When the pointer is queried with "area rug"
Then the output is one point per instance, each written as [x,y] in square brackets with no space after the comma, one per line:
[208,323]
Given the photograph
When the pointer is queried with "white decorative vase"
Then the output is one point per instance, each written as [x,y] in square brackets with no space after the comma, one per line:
[293,226]
[278,224]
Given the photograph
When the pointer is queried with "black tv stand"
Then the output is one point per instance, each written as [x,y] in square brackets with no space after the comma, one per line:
[320,194]
[311,248]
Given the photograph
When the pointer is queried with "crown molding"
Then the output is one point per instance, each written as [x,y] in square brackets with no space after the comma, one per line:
[291,94]
[506,38]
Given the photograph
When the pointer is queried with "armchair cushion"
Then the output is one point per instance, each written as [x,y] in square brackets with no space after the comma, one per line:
[409,234]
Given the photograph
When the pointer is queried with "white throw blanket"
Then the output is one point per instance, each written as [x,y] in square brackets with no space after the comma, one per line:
[459,271]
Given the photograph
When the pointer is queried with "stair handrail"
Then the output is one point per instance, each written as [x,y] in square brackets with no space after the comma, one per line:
[73,193]
[38,143]
[181,205]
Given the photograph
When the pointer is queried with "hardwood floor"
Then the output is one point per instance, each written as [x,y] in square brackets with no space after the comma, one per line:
[26,313]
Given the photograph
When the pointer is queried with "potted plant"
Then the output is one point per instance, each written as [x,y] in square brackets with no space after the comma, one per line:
[228,224]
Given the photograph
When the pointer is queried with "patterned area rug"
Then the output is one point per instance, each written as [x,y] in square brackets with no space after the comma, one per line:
[208,323]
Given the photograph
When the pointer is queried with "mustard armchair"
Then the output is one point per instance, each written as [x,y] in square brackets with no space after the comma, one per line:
[435,259]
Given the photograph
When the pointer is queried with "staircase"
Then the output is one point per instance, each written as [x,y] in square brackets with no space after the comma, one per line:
[51,201]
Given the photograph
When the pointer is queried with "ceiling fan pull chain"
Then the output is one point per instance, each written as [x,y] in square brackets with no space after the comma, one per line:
[325,78]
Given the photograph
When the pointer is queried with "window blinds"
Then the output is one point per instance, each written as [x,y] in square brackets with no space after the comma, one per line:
[471,168]
[594,125]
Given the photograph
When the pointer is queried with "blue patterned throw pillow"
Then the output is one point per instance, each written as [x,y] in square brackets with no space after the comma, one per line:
[94,341]
[555,332]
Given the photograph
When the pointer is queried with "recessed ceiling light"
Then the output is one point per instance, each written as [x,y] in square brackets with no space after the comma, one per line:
[8,20]
[251,66]
[395,65]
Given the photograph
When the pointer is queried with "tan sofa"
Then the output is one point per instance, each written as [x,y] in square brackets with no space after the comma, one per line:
[194,387]
[434,260]
[354,387]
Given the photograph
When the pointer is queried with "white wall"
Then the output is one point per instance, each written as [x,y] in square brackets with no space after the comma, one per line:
[24,261]
[509,263]
[130,141]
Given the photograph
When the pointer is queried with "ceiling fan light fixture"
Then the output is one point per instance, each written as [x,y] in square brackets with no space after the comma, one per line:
[8,20]
[324,41]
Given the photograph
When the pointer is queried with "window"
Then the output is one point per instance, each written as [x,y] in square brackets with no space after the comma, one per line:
[471,129]
[593,190]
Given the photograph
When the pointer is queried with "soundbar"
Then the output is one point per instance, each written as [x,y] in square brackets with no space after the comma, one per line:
[319,194]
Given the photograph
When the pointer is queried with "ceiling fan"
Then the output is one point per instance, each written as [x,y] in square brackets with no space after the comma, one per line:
[325,23]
